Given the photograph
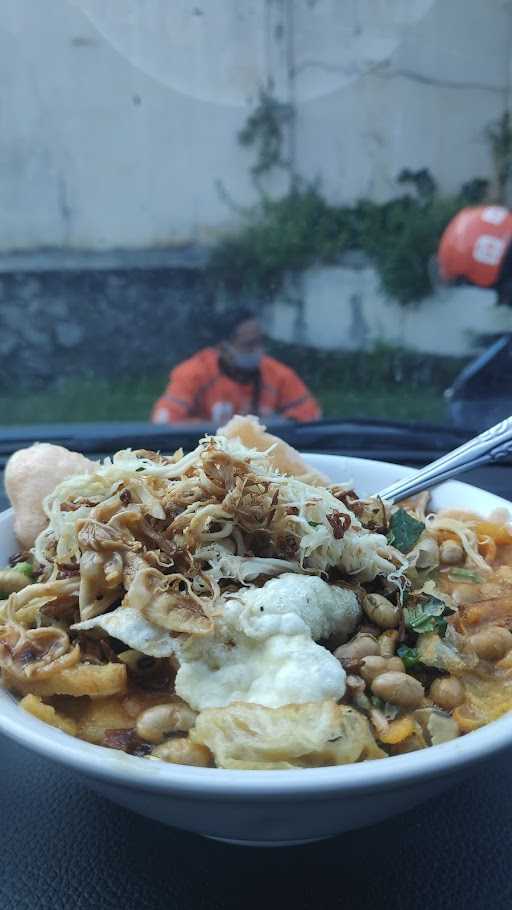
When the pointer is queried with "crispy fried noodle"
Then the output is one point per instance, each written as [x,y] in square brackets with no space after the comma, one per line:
[213,587]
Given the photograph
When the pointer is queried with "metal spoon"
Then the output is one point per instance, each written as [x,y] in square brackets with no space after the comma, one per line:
[491,445]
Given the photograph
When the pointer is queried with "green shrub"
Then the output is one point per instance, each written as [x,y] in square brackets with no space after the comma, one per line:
[302,229]
[385,367]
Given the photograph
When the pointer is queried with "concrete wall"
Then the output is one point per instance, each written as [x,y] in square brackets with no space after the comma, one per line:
[117,117]
[112,320]
[345,308]
[425,104]
[134,315]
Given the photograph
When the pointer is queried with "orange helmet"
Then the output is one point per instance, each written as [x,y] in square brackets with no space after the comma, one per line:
[474,245]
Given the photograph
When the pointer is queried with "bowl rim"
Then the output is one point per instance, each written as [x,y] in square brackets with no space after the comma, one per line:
[392,773]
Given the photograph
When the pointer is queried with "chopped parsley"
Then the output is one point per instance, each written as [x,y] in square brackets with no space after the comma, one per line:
[464,575]
[409,656]
[25,568]
[404,530]
[428,616]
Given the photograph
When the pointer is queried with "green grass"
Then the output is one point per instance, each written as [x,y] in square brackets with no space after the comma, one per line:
[386,383]
[92,399]
[86,399]
[385,404]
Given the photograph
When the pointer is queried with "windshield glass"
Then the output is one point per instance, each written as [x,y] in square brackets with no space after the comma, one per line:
[291,208]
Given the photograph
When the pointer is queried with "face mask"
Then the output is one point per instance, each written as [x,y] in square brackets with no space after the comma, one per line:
[245,360]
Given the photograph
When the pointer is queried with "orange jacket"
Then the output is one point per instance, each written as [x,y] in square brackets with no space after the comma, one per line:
[199,390]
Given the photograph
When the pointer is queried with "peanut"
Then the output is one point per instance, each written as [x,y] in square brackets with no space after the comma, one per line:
[447,692]
[381,611]
[492,643]
[155,723]
[399,689]
[181,751]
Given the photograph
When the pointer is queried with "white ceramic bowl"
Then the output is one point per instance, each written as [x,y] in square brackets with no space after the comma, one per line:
[271,807]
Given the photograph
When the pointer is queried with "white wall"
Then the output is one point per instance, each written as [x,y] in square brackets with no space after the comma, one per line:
[118,116]
[345,308]
[424,105]
[94,153]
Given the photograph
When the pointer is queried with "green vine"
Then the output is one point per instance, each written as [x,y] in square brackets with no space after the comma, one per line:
[499,137]
[302,229]
[264,131]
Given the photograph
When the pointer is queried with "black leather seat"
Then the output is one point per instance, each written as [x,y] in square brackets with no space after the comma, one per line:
[62,847]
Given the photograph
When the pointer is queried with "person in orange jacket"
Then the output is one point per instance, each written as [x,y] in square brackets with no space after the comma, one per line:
[235,377]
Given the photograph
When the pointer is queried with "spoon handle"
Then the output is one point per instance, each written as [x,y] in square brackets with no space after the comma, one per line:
[491,445]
